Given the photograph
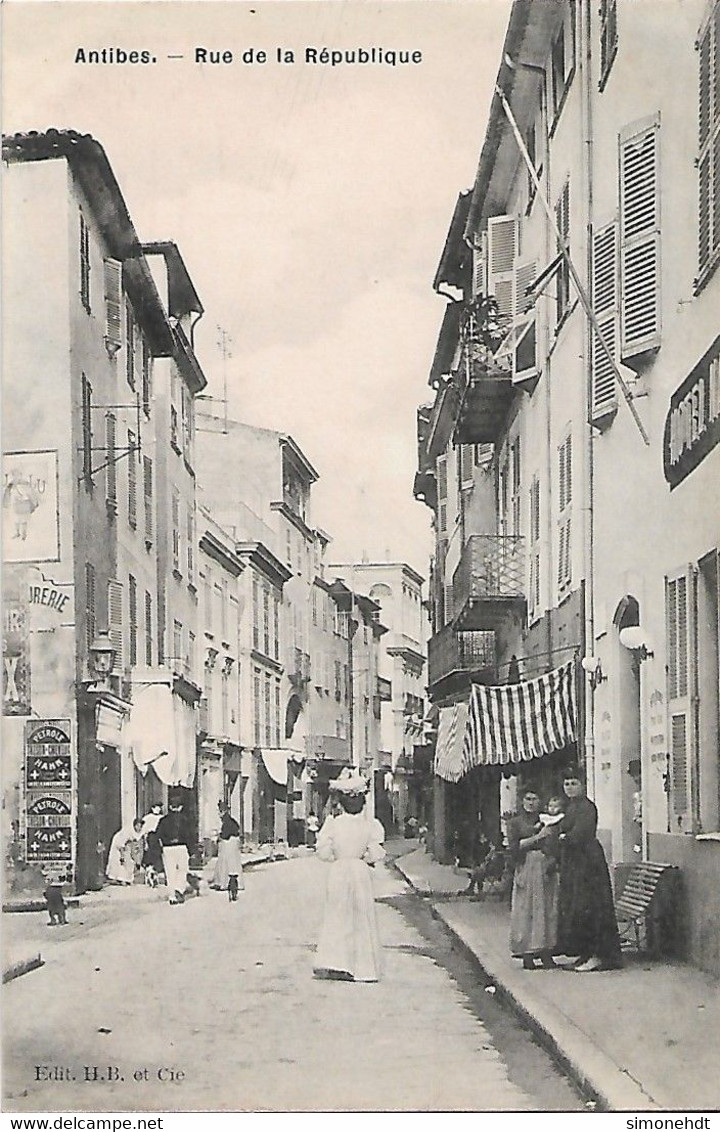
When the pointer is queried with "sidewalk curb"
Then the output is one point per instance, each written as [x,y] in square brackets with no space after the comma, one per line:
[22,967]
[593,1072]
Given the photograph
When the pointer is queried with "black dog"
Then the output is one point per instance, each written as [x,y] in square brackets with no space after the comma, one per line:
[232,887]
[55,905]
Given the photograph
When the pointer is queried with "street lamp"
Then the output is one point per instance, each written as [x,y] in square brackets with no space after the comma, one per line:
[632,637]
[102,657]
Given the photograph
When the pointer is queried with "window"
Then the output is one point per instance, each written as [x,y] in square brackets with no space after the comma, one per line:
[190,665]
[132,601]
[207,601]
[709,144]
[313,604]
[146,378]
[87,437]
[277,712]
[338,685]
[186,407]
[90,622]
[256,611]
[608,38]
[679,606]
[268,710]
[129,345]
[534,589]
[515,485]
[115,623]
[640,238]
[176,530]
[177,643]
[503,239]
[148,498]
[190,547]
[562,275]
[113,304]
[84,264]
[257,707]
[148,629]
[564,576]
[225,700]
[607,314]
[466,465]
[266,619]
[562,63]
[111,461]
[442,488]
[174,434]
[132,479]
[276,627]
[224,609]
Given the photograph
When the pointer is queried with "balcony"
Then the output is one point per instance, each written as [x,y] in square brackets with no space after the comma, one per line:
[459,653]
[486,385]
[331,748]
[489,583]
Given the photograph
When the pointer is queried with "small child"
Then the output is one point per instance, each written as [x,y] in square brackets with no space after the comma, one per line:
[57,909]
[555,812]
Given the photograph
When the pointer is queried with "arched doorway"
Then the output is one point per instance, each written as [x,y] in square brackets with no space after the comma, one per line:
[628,840]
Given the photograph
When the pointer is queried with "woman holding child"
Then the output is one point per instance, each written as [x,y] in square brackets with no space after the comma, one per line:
[533,843]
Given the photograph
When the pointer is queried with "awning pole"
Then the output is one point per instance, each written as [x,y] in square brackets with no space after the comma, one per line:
[571,267]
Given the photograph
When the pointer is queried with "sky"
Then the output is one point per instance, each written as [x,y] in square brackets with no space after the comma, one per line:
[310,203]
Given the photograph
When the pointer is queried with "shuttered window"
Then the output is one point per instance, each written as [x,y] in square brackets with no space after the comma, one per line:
[115,623]
[84,263]
[562,61]
[112,272]
[132,478]
[709,143]
[90,617]
[87,437]
[133,619]
[176,529]
[564,574]
[148,628]
[562,275]
[148,498]
[442,488]
[190,545]
[681,668]
[466,465]
[524,340]
[479,278]
[146,377]
[640,238]
[515,485]
[256,612]
[607,313]
[502,238]
[129,345]
[608,38]
[177,656]
[534,527]
[111,457]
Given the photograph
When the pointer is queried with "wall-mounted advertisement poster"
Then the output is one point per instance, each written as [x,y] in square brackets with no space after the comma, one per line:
[30,507]
[16,657]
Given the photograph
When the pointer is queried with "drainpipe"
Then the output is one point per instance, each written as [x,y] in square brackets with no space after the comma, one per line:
[588,447]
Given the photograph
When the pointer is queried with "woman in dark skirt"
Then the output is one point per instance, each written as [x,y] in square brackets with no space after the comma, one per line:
[587,926]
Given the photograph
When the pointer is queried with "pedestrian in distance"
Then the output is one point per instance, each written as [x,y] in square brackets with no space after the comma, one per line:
[352,842]
[125,852]
[312,827]
[152,861]
[173,833]
[228,864]
[587,924]
[534,899]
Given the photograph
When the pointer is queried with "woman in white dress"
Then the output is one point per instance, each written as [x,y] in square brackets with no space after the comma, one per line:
[349,945]
[125,853]
[229,861]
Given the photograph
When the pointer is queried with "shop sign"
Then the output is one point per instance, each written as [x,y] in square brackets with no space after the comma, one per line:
[692,426]
[49,827]
[30,507]
[47,754]
[16,658]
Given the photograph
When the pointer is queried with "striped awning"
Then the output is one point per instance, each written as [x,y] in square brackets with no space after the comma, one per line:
[449,746]
[518,722]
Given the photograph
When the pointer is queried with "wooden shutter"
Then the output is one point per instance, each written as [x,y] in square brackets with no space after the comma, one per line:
[681,677]
[176,528]
[129,345]
[479,277]
[148,629]
[466,465]
[562,275]
[709,140]
[534,588]
[111,457]
[133,620]
[90,618]
[87,437]
[640,238]
[148,497]
[115,623]
[113,303]
[524,353]
[442,487]
[605,306]
[502,253]
[132,479]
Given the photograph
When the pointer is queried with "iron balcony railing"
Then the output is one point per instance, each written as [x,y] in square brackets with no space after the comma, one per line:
[451,650]
[491,568]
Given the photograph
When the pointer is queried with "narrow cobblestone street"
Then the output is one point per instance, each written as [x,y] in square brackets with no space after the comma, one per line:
[221,998]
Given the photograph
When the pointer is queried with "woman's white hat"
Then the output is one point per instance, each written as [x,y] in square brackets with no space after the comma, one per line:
[349,782]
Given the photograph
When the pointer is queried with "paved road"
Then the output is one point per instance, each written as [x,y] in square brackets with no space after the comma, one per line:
[218,999]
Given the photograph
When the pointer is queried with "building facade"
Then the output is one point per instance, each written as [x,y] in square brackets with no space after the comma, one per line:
[576,400]
[83,518]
